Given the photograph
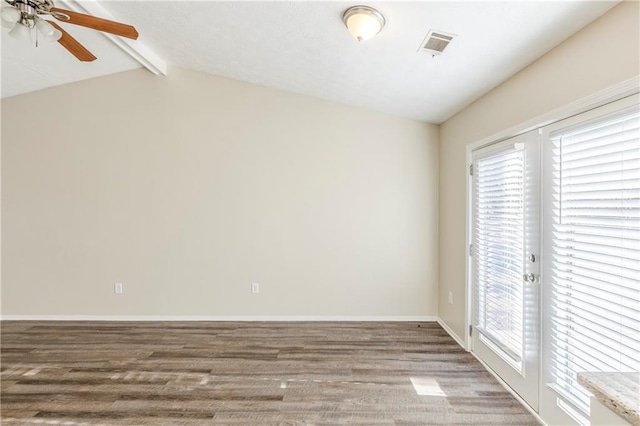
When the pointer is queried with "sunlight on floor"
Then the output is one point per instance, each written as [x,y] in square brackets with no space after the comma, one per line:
[427,387]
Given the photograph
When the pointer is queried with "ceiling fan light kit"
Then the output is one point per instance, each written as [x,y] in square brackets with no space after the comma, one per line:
[9,16]
[48,31]
[21,31]
[363,22]
[22,16]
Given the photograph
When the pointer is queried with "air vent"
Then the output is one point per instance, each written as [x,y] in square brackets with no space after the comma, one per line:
[435,42]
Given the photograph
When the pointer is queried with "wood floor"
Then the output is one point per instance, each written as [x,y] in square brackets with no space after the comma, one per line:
[200,373]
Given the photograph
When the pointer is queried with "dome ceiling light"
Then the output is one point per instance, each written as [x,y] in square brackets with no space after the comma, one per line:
[363,22]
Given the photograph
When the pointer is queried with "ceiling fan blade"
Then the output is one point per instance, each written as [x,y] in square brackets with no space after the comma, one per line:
[99,24]
[73,45]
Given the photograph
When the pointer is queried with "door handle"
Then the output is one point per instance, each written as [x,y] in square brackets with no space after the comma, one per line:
[529,278]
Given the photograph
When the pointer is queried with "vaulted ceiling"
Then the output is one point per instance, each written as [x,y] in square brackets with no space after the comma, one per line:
[303,47]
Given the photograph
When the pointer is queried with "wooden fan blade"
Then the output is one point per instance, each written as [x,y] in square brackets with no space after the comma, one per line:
[99,24]
[73,45]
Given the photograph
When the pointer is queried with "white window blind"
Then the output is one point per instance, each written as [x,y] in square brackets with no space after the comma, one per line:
[498,243]
[595,252]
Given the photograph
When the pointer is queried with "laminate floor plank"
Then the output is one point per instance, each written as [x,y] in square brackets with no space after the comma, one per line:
[245,373]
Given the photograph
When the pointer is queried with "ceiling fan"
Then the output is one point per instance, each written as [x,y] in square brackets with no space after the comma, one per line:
[22,16]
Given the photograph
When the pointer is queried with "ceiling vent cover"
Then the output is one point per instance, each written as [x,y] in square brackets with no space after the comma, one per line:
[435,42]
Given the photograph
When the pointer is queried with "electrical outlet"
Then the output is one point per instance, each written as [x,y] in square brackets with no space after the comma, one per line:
[451,298]
[117,288]
[255,288]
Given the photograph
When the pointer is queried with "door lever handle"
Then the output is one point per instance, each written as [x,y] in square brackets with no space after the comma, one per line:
[529,278]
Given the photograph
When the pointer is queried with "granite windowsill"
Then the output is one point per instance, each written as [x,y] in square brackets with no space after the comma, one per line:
[620,392]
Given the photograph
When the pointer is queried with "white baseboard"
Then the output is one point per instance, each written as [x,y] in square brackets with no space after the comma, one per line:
[452,334]
[213,318]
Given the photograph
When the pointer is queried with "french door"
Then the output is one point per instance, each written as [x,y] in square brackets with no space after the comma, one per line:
[578,226]
[505,261]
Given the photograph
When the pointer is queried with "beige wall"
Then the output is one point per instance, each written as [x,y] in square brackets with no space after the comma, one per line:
[599,56]
[188,188]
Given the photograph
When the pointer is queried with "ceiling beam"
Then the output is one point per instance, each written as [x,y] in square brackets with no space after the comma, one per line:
[134,48]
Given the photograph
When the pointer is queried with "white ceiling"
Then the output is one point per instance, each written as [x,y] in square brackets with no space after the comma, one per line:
[304,48]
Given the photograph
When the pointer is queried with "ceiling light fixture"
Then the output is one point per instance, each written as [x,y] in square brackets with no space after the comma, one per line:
[9,16]
[363,22]
[21,31]
[22,17]
[48,31]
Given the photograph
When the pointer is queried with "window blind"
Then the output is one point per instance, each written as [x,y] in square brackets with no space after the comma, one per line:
[498,243]
[595,255]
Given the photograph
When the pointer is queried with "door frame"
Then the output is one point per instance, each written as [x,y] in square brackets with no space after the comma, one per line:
[608,95]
